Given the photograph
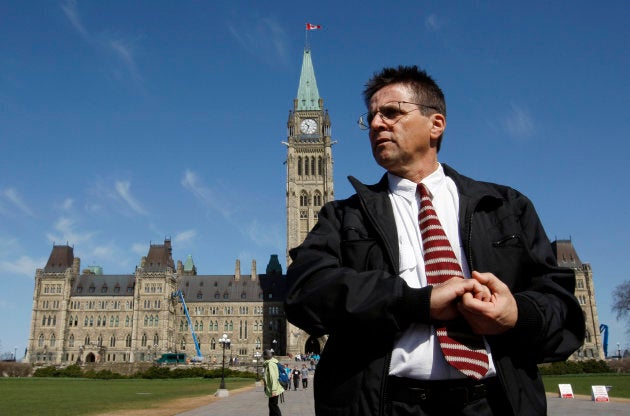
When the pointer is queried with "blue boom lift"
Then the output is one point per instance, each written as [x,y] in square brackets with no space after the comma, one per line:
[180,295]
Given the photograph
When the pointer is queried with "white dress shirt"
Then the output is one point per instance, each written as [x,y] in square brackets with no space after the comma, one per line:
[417,352]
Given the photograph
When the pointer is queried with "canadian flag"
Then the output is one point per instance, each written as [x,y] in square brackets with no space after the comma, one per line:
[310,26]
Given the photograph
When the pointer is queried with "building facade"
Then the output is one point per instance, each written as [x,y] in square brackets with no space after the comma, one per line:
[309,176]
[91,317]
[566,255]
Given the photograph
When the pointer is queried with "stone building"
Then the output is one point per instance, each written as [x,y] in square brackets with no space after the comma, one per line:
[585,293]
[88,316]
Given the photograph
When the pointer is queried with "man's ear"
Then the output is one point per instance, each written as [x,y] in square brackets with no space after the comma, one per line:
[438,125]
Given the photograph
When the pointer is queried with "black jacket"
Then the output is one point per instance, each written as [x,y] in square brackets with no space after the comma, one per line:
[344,282]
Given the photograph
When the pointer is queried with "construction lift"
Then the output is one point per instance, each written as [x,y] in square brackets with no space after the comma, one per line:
[180,295]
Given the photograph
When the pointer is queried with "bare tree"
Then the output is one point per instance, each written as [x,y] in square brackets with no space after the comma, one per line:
[621,302]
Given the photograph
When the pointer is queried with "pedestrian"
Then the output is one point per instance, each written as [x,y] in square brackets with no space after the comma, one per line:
[304,373]
[390,259]
[295,376]
[273,389]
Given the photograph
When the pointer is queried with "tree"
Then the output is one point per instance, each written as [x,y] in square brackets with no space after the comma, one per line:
[621,301]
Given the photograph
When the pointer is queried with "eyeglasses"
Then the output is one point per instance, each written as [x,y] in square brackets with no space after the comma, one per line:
[391,113]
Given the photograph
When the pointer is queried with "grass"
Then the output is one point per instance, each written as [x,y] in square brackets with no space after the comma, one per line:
[581,383]
[73,397]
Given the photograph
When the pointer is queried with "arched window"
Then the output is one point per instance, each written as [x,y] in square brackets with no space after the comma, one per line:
[306,165]
[40,340]
[144,340]
[225,326]
[156,339]
[128,340]
[213,344]
[71,341]
[320,166]
[231,326]
[112,341]
[299,166]
[303,199]
[313,165]
[127,321]
[317,199]
[99,341]
[53,340]
[87,340]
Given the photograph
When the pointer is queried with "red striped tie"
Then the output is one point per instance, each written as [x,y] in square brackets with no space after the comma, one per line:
[461,348]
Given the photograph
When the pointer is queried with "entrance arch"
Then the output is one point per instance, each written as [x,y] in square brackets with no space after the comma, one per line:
[312,346]
[90,358]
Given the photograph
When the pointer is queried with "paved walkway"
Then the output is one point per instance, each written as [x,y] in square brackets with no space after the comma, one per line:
[252,402]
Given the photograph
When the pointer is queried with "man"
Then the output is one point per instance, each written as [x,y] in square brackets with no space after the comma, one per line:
[273,389]
[360,277]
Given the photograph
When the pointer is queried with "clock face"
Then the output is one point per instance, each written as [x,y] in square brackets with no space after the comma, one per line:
[308,126]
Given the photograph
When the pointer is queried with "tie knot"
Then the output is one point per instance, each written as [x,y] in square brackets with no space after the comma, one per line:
[423,191]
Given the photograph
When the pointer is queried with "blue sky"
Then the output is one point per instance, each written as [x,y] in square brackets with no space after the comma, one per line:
[122,123]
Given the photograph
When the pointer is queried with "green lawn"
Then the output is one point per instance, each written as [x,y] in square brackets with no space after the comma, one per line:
[69,397]
[581,384]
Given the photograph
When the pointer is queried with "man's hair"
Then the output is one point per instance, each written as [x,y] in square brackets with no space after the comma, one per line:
[423,88]
[267,354]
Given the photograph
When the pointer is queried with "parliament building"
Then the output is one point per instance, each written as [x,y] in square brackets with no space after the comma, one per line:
[165,306]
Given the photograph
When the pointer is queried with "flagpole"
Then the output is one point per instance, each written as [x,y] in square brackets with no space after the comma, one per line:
[306,45]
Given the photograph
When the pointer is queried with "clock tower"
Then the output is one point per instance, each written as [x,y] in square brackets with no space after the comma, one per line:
[309,176]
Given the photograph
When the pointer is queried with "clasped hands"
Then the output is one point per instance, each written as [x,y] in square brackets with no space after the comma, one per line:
[484,301]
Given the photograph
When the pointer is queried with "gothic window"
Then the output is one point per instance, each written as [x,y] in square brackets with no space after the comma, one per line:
[111,321]
[87,340]
[127,321]
[320,166]
[243,295]
[317,199]
[201,326]
[196,325]
[146,320]
[231,326]
[44,321]
[117,321]
[306,165]
[99,341]
[258,343]
[213,344]
[144,340]
[112,341]
[53,340]
[70,321]
[128,341]
[91,320]
[85,322]
[40,340]
[216,325]
[181,325]
[156,339]
[117,288]
[71,341]
[303,199]
[313,165]
[225,326]
[299,166]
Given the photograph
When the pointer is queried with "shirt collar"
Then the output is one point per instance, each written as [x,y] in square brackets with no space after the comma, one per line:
[407,189]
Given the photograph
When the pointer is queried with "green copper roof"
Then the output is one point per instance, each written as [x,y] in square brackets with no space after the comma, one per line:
[188,264]
[307,96]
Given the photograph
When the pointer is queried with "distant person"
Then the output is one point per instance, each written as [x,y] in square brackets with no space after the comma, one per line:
[304,374]
[295,376]
[445,288]
[271,376]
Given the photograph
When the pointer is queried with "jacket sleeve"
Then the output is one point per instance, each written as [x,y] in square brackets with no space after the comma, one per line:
[341,281]
[550,325]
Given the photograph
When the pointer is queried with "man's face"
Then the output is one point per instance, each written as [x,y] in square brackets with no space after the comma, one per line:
[402,144]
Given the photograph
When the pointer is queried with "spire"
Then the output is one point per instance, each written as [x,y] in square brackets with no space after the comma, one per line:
[307,96]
